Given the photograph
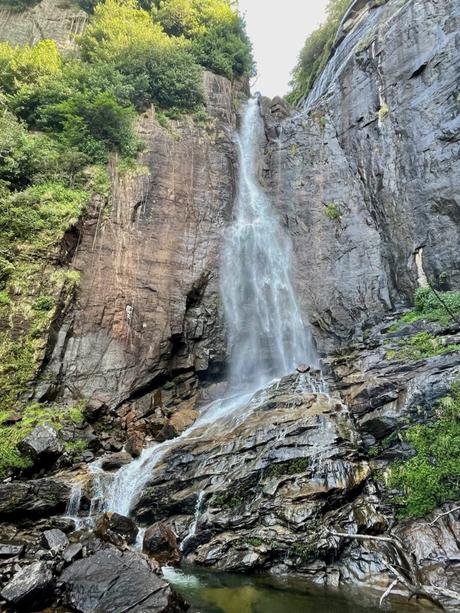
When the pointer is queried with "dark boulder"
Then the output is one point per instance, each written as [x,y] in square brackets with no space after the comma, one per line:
[35,497]
[117,529]
[112,581]
[42,444]
[161,544]
[29,587]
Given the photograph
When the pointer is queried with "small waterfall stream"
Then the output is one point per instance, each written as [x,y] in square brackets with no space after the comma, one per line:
[267,336]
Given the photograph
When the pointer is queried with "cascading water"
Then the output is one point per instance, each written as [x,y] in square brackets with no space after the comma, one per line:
[267,336]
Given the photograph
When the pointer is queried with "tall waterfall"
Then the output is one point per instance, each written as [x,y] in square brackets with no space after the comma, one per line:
[267,336]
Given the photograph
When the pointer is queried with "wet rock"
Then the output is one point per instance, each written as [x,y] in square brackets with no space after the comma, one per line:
[160,543]
[111,580]
[135,444]
[55,540]
[35,497]
[116,461]
[29,587]
[42,444]
[10,550]
[116,529]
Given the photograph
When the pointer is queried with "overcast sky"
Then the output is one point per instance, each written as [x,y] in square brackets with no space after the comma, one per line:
[278,29]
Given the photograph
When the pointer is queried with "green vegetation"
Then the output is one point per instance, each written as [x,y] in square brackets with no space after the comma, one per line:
[12,431]
[332,211]
[316,51]
[420,346]
[62,117]
[431,305]
[432,476]
[290,467]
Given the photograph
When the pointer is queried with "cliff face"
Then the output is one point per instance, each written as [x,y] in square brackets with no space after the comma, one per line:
[366,176]
[60,21]
[148,307]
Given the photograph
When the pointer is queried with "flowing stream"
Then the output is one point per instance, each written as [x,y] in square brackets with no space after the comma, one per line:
[267,336]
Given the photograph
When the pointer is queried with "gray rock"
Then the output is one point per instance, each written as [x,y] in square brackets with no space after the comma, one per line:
[116,529]
[110,581]
[43,443]
[30,586]
[10,550]
[35,497]
[55,540]
[160,543]
[116,460]
[72,552]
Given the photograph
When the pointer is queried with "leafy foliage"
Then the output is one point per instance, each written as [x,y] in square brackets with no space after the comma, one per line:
[436,306]
[432,476]
[316,51]
[420,346]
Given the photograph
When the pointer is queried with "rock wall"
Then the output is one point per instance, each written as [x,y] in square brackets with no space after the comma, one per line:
[366,175]
[58,20]
[148,306]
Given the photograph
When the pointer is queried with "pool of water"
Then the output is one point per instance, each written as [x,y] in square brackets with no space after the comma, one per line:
[225,593]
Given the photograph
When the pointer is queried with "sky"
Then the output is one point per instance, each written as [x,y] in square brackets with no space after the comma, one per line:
[278,29]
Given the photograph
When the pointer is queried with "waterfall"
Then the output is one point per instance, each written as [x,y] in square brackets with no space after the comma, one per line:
[267,336]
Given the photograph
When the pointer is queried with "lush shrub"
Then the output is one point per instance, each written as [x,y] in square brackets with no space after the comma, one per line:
[432,305]
[421,346]
[26,66]
[219,40]
[316,51]
[432,476]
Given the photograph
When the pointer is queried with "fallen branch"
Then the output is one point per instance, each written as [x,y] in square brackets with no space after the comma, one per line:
[388,592]
[443,515]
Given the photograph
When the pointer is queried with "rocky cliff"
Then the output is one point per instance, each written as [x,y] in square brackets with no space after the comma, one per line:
[365,178]
[60,21]
[366,174]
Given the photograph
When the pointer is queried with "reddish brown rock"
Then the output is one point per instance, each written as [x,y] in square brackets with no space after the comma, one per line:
[160,543]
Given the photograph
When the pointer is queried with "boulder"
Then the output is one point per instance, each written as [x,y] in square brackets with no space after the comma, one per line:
[72,552]
[35,497]
[42,444]
[111,580]
[55,540]
[29,587]
[117,529]
[135,444]
[116,460]
[160,543]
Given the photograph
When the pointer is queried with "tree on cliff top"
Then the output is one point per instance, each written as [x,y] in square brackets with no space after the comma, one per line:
[316,51]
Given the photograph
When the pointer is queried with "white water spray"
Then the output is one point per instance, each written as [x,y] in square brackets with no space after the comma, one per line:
[267,336]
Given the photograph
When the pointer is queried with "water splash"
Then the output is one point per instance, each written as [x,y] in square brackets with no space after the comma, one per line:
[267,336]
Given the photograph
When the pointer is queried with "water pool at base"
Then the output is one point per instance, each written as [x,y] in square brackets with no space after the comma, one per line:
[208,592]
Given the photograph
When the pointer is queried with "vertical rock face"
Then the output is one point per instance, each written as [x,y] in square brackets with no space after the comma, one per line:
[366,176]
[148,306]
[60,20]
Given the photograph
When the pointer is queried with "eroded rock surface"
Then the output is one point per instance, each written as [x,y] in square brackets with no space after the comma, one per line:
[59,20]
[366,176]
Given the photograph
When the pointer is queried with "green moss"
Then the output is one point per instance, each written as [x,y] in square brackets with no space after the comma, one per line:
[291,467]
[304,551]
[420,346]
[32,415]
[441,307]
[253,541]
[432,476]
[332,211]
